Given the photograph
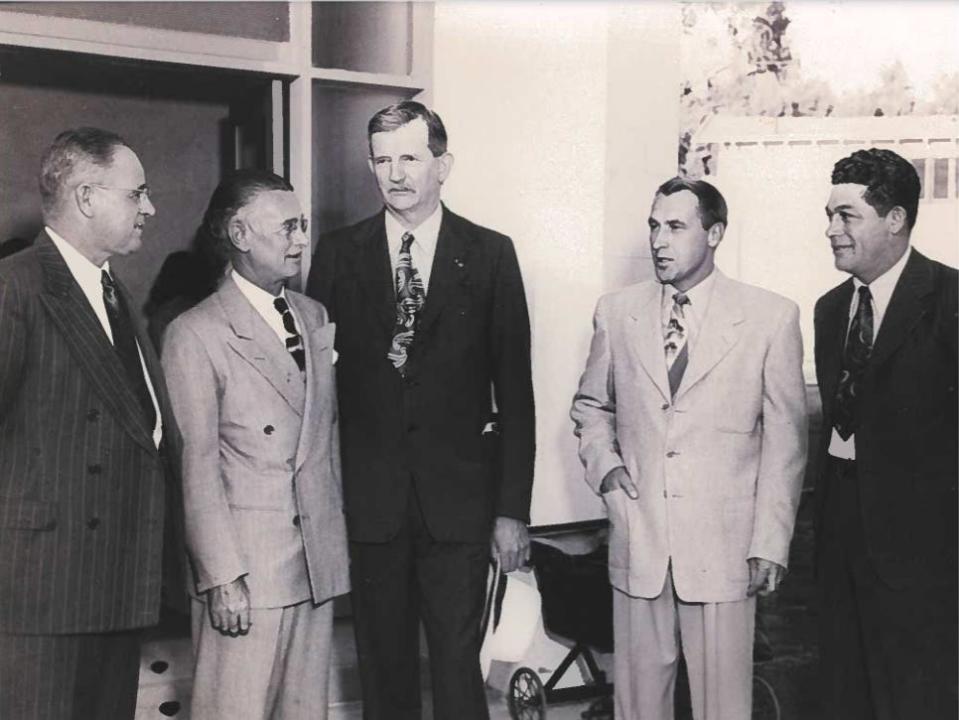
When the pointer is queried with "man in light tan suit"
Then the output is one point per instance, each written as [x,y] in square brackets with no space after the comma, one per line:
[251,369]
[691,416]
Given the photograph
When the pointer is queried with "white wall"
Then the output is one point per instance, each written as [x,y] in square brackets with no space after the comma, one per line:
[563,119]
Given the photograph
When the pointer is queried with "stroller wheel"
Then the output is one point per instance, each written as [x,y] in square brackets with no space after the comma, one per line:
[527,696]
[765,702]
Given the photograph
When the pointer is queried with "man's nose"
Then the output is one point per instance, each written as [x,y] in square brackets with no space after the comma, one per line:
[146,206]
[657,239]
[834,227]
[397,171]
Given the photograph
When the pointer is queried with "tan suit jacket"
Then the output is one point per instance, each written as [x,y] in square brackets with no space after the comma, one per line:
[261,468]
[719,467]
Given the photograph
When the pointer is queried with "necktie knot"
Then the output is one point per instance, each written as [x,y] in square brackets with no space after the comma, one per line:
[294,343]
[109,288]
[681,299]
[406,242]
[865,295]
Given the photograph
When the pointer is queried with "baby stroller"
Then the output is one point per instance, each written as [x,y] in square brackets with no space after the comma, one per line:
[576,605]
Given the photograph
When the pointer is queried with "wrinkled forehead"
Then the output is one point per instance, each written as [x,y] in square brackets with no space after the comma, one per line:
[682,205]
[408,138]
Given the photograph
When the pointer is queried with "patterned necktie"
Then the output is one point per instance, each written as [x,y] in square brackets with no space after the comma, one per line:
[294,343]
[854,361]
[125,344]
[410,296]
[677,350]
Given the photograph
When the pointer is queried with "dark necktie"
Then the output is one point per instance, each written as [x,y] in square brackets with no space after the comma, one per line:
[294,343]
[410,296]
[854,361]
[676,345]
[125,344]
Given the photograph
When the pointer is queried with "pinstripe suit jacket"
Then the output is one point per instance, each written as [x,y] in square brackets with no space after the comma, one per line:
[81,481]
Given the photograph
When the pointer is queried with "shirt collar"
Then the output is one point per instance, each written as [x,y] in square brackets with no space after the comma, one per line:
[698,294]
[426,233]
[83,271]
[260,298]
[882,287]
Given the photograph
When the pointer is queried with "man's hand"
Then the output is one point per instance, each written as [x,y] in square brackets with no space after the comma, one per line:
[510,543]
[229,606]
[764,573]
[619,478]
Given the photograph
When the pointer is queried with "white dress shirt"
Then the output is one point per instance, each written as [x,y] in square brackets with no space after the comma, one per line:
[699,296]
[262,302]
[88,277]
[881,290]
[424,243]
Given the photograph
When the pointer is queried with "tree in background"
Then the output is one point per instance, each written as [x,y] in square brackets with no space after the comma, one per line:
[736,60]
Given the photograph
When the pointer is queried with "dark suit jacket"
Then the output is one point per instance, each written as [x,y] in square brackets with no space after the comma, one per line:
[906,442]
[81,481]
[425,431]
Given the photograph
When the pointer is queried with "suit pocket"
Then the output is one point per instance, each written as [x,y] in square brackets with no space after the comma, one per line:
[27,515]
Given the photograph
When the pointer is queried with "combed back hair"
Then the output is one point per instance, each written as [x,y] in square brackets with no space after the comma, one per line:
[73,152]
[235,191]
[712,204]
[396,116]
[890,180]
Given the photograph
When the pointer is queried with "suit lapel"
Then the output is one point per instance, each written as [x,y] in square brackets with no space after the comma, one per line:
[906,306]
[718,332]
[449,264]
[373,272]
[319,377]
[256,343]
[649,337]
[833,323]
[70,311]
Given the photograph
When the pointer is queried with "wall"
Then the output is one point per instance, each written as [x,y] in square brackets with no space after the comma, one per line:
[560,137]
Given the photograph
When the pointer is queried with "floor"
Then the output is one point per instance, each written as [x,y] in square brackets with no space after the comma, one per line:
[784,689]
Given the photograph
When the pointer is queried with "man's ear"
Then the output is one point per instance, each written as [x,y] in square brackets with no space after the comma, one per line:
[83,196]
[239,234]
[715,234]
[371,166]
[896,220]
[445,166]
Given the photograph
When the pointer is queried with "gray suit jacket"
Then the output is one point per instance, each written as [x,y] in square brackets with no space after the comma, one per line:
[719,467]
[261,467]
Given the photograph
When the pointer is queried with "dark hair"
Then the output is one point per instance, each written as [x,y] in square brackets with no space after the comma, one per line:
[712,204]
[396,116]
[70,151]
[890,180]
[235,191]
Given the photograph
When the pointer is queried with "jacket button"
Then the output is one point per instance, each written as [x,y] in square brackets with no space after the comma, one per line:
[296,520]
[94,469]
[665,406]
[269,429]
[93,415]
[672,453]
[93,523]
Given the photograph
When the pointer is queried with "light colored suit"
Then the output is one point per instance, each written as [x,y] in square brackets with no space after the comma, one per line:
[261,467]
[719,467]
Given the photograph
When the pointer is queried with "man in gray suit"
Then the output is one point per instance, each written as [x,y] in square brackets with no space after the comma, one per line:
[251,376]
[83,430]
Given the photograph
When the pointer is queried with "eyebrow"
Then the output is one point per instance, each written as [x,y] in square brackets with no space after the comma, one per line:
[840,207]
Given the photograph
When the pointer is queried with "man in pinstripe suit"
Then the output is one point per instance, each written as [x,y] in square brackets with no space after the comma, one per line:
[82,464]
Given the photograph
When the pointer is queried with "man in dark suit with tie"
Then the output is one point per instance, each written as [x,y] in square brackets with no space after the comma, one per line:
[432,325]
[886,363]
[83,410]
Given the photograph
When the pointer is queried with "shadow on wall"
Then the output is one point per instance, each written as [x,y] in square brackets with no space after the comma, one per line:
[185,278]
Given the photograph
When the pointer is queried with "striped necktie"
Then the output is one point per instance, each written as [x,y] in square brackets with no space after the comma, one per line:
[676,346]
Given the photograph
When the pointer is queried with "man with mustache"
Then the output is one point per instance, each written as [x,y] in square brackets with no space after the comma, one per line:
[691,416]
[84,429]
[432,325]
[886,539]
[250,371]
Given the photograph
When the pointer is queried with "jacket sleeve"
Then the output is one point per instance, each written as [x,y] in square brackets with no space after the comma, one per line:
[195,391]
[784,443]
[513,386]
[13,344]
[594,406]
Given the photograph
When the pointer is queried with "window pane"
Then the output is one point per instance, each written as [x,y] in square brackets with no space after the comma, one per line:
[920,166]
[940,183]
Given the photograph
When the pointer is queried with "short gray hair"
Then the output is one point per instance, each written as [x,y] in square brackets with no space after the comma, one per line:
[71,151]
